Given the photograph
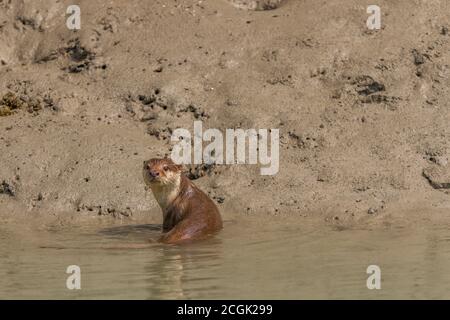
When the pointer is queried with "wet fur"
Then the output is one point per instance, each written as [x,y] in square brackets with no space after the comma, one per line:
[188,213]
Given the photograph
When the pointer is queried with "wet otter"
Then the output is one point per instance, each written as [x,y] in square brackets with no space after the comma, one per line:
[188,213]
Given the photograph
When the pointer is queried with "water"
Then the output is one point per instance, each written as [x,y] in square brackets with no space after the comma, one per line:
[250,260]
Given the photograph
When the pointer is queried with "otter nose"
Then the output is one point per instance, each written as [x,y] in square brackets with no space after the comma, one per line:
[154,173]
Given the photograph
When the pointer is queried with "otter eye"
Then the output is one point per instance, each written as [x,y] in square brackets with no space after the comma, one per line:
[165,168]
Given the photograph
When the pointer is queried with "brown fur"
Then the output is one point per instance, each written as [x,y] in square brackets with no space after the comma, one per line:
[188,213]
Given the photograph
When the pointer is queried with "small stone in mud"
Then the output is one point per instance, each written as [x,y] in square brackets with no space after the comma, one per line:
[256,4]
[372,211]
[146,100]
[6,188]
[77,52]
[220,199]
[376,98]
[198,171]
[438,176]
[366,85]
[231,103]
[77,68]
[372,88]
[160,133]
[34,105]
[418,57]
[80,55]
[50,103]
[196,111]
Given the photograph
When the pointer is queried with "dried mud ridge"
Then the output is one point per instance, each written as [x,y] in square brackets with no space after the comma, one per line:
[438,176]
[437,172]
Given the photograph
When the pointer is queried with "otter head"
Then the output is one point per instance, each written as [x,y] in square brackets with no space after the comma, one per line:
[164,178]
[161,172]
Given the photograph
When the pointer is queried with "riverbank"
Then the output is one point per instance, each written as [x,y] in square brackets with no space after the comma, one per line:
[363,115]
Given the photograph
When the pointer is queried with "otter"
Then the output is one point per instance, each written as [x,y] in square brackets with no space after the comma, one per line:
[188,213]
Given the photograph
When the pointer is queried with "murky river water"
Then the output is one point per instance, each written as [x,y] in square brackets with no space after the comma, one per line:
[281,261]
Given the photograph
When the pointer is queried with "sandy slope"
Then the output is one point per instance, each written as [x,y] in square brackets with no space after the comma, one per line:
[361,113]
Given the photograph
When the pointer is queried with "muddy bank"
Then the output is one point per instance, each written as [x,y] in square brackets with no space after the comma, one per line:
[363,115]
